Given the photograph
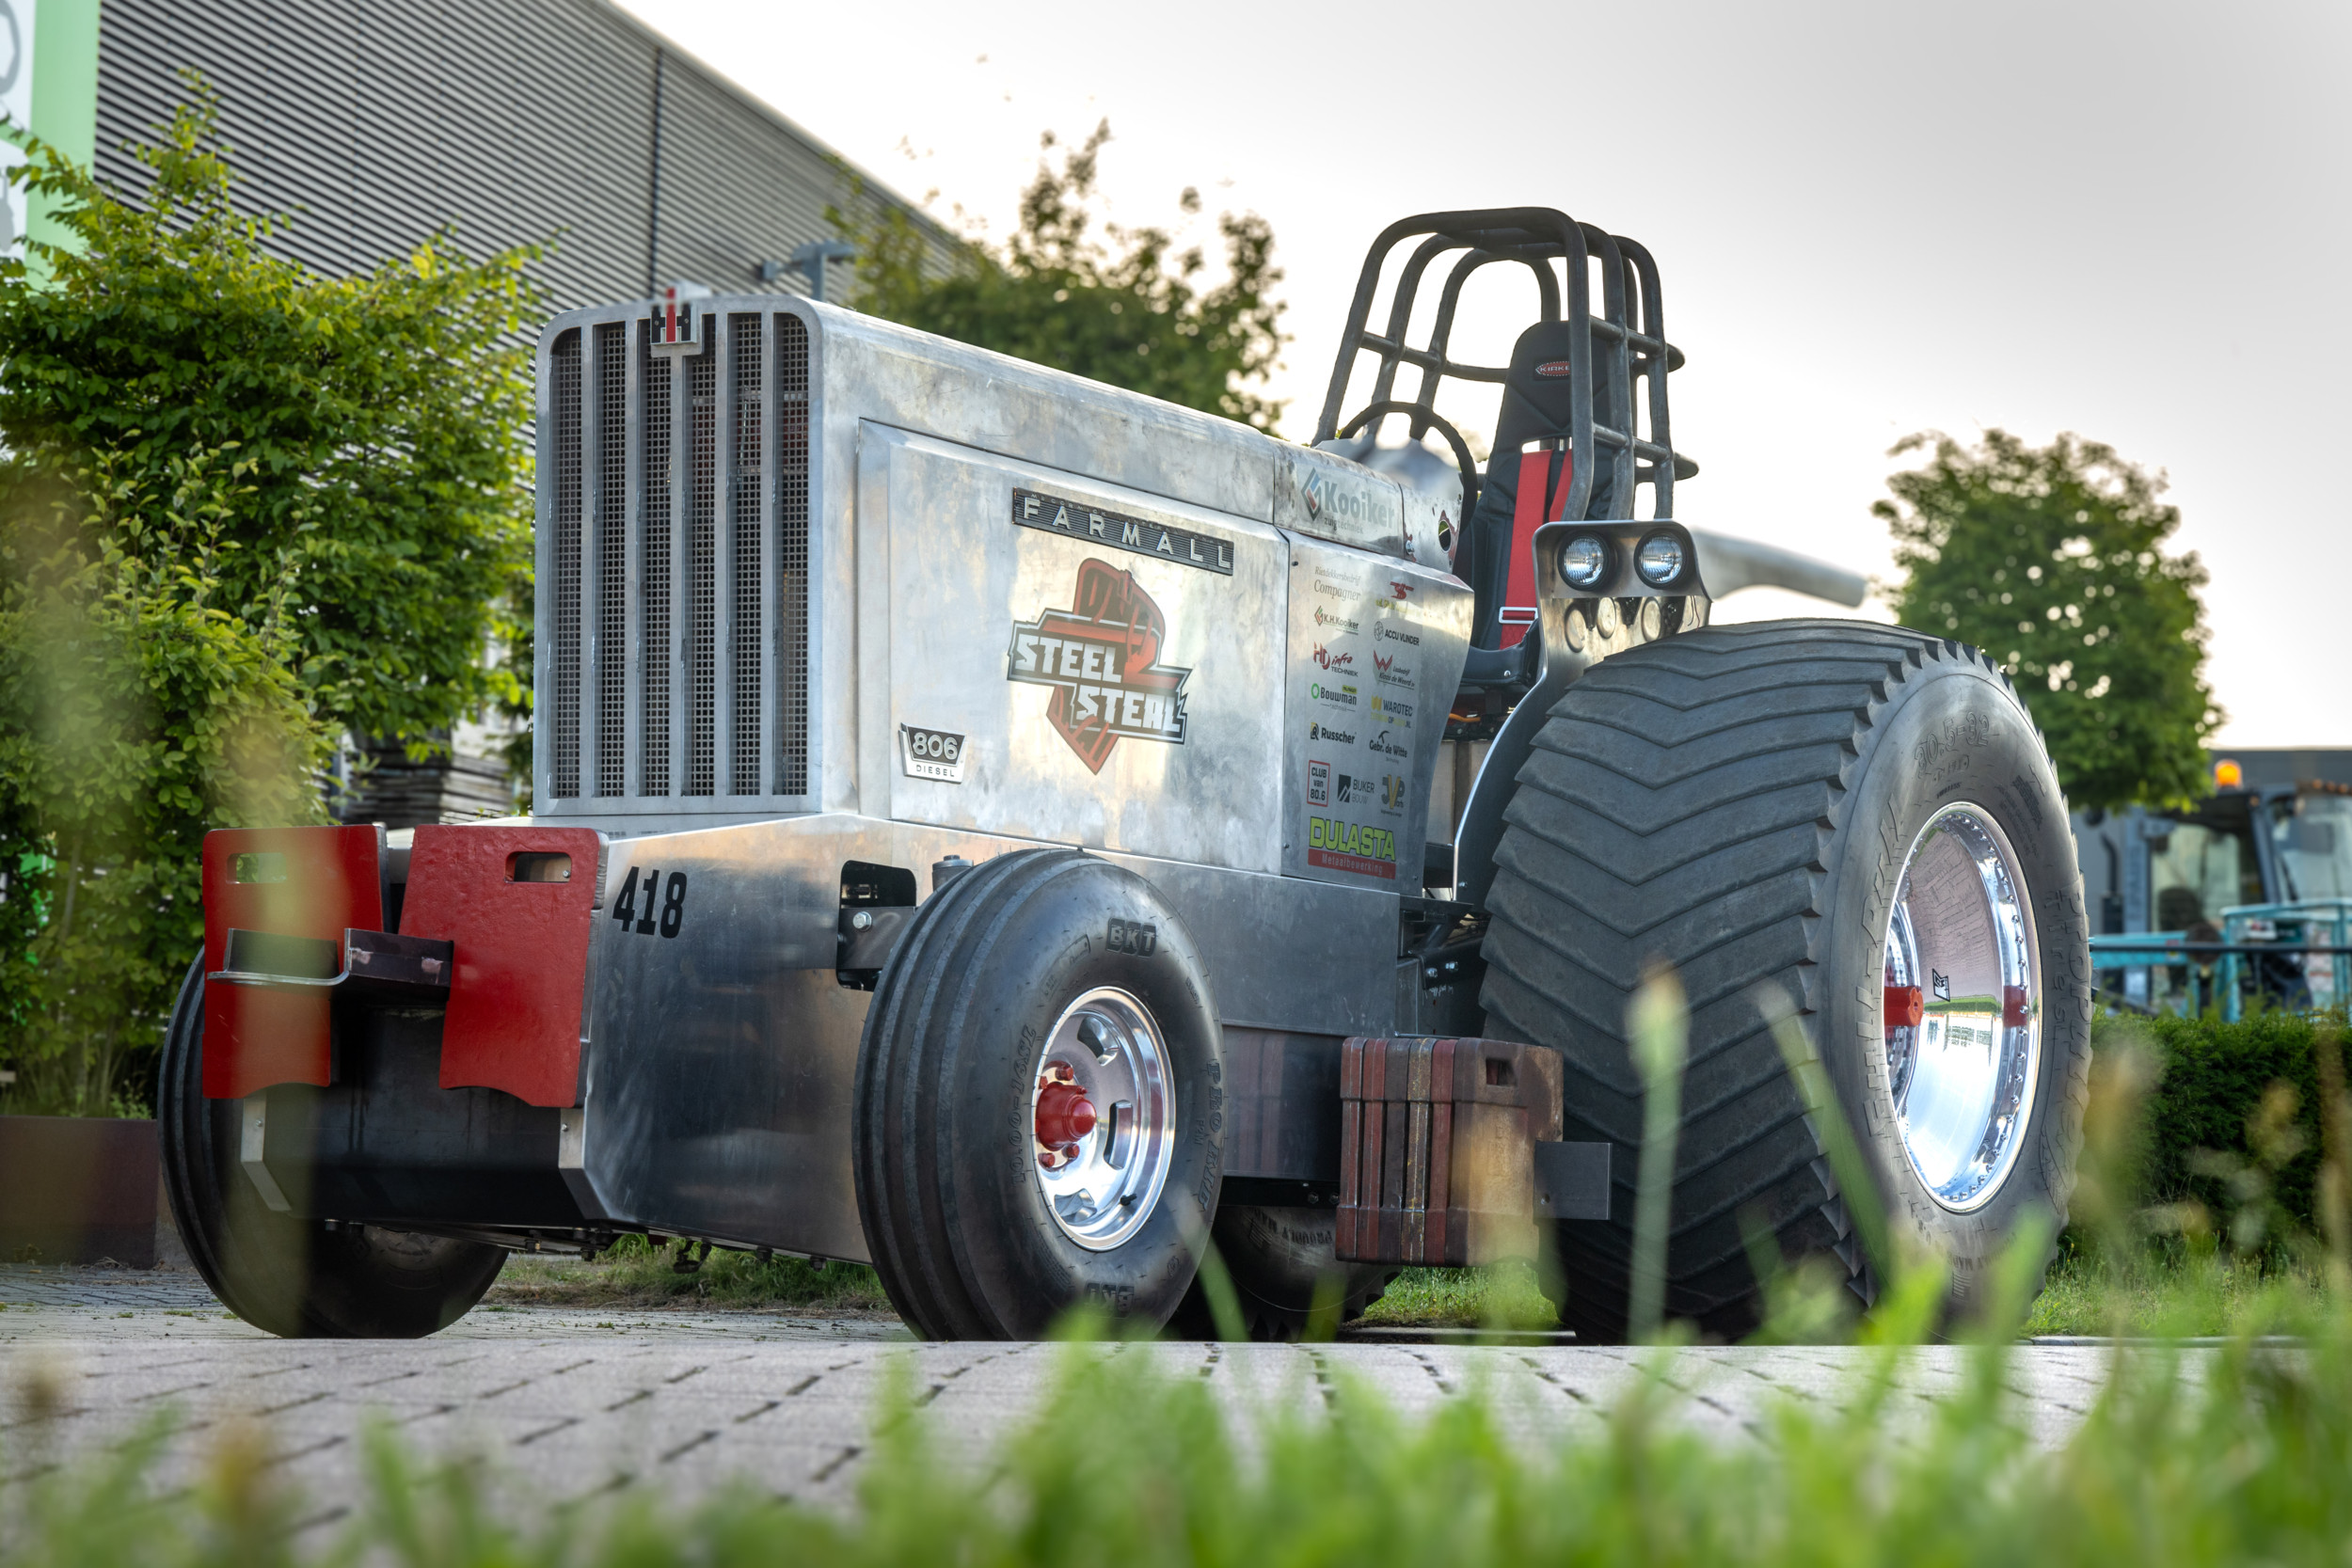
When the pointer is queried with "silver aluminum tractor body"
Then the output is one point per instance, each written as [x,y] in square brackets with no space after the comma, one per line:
[813,588]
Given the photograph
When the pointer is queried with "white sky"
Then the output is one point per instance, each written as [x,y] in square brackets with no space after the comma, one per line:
[2126,220]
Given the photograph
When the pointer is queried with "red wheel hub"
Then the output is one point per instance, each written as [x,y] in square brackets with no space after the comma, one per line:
[2015,1012]
[1905,1006]
[1064,1115]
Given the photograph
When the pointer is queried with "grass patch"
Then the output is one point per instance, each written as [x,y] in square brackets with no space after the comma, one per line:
[2180,1297]
[1501,1296]
[633,1276]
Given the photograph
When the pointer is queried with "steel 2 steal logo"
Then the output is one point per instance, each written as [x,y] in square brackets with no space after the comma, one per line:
[1350,846]
[1102,657]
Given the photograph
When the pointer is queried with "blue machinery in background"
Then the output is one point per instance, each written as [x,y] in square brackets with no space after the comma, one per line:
[2297,954]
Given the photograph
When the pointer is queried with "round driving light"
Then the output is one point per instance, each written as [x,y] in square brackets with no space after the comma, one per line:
[1659,560]
[1584,561]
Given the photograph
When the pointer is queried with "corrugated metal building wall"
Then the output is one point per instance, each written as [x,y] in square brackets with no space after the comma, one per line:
[376,120]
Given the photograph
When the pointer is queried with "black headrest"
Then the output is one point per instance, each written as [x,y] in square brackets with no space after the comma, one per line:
[1536,399]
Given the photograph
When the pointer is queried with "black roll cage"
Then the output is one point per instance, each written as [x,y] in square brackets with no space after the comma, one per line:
[1609,354]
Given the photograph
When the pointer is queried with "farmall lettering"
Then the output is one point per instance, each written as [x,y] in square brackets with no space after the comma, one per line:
[1102,658]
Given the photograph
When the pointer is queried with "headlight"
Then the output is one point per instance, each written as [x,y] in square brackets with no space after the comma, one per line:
[1584,561]
[1659,560]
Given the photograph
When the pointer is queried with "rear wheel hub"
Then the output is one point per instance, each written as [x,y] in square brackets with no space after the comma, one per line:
[1961,1020]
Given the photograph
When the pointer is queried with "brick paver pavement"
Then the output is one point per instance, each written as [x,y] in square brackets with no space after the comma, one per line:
[564,1403]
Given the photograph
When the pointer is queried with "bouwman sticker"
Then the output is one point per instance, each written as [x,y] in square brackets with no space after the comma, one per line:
[1102,657]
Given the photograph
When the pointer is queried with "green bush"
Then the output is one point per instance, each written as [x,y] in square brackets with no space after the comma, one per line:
[2247,1092]
[243,508]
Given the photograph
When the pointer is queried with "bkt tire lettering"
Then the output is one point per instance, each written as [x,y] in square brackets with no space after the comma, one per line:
[1139,937]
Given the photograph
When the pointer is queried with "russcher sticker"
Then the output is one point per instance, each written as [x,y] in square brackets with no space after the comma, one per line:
[1102,657]
[1351,846]
[932,754]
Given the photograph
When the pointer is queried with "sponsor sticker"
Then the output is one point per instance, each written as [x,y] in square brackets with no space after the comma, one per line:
[1351,846]
[1327,658]
[932,754]
[1102,658]
[1318,782]
[1077,520]
[1338,693]
[1319,730]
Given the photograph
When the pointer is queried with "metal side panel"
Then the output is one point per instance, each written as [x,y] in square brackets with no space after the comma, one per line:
[722,1049]
[1375,651]
[1072,662]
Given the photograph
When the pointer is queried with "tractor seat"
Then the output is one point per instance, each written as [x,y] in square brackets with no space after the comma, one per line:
[1498,541]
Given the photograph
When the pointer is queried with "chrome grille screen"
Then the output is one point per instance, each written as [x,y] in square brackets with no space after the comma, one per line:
[673,560]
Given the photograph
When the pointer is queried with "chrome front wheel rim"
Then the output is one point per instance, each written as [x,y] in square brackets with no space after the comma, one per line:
[1961,1013]
[1102,1119]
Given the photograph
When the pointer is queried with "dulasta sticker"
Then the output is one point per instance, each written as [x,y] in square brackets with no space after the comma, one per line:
[1102,658]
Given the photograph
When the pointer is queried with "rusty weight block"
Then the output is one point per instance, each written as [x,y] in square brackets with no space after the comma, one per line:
[1436,1148]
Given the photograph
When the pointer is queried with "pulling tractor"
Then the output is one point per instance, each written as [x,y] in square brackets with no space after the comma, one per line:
[983,828]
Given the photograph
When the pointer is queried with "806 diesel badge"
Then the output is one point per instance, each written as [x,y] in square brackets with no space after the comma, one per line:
[932,754]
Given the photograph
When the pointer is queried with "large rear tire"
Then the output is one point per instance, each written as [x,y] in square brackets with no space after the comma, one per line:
[1799,808]
[1040,976]
[293,1277]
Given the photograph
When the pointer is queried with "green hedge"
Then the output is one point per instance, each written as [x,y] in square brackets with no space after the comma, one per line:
[2212,1078]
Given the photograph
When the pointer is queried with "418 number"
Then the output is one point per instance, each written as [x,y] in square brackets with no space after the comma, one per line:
[672,901]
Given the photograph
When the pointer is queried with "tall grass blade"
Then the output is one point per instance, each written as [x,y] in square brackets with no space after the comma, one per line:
[1658,1030]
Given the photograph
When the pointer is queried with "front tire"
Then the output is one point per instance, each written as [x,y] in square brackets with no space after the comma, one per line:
[293,1277]
[1780,807]
[1034,980]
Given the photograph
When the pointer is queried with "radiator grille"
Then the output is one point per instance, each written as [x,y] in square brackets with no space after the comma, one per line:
[744,486]
[703,668]
[660,659]
[674,558]
[792,554]
[565,699]
[612,558]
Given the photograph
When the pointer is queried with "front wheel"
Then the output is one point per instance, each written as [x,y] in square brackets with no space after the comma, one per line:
[293,1277]
[1040,1103]
[1862,821]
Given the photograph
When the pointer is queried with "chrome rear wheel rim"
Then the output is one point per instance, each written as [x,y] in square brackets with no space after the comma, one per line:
[1102,1183]
[1961,1013]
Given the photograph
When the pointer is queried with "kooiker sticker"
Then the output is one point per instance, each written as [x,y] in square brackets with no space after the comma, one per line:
[1102,657]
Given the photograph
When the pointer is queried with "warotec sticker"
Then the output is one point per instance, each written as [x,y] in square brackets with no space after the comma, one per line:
[1350,847]
[1102,657]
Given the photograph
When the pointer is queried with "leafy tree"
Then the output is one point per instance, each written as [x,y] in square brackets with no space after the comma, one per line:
[1124,308]
[389,407]
[243,509]
[140,704]
[2052,559]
